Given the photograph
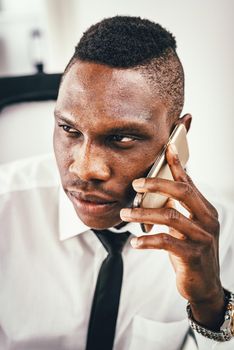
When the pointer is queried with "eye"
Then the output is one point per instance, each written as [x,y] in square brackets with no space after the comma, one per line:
[122,138]
[69,129]
[122,141]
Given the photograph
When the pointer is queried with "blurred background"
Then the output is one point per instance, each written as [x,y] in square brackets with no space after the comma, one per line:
[46,31]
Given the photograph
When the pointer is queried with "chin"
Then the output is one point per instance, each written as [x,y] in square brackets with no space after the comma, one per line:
[100,223]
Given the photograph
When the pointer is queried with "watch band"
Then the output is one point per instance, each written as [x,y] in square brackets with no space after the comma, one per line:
[226,331]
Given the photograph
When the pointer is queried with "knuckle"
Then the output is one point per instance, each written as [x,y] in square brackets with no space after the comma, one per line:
[172,214]
[190,181]
[212,226]
[188,190]
[165,241]
[209,241]
[207,246]
[176,160]
[183,177]
[200,251]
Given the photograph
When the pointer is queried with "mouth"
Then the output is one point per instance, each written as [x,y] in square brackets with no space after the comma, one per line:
[91,204]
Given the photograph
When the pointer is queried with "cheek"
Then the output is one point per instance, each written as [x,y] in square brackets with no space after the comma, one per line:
[137,163]
[127,170]
[132,166]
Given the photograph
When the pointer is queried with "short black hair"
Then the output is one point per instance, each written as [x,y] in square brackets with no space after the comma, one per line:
[132,42]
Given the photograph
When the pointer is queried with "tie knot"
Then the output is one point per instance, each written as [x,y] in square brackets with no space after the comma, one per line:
[113,242]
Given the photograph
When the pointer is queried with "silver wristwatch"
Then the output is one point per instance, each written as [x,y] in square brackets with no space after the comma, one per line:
[226,331]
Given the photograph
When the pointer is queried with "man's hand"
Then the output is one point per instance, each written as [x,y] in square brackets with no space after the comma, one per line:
[192,243]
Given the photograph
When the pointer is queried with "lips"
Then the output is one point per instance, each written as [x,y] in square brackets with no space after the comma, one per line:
[91,198]
[92,204]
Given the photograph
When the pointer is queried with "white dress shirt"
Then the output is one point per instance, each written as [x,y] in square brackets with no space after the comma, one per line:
[49,262]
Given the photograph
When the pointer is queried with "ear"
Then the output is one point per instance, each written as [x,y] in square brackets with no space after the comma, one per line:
[186,120]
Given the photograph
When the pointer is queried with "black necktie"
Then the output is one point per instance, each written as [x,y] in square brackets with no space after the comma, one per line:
[105,305]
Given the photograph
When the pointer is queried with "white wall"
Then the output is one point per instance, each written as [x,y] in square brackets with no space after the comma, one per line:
[17,21]
[204,32]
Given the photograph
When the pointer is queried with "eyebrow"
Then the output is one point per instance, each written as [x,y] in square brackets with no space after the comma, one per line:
[132,127]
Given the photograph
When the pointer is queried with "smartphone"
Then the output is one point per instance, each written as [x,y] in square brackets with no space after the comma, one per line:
[162,170]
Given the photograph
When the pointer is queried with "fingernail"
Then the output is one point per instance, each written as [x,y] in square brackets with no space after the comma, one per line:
[125,213]
[173,149]
[138,183]
[134,242]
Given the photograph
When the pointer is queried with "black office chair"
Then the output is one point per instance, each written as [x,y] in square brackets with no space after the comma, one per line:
[37,87]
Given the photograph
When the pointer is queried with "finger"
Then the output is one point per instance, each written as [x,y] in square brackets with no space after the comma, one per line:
[179,174]
[162,241]
[177,170]
[169,217]
[171,204]
[184,192]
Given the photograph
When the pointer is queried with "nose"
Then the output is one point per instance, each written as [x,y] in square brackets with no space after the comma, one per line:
[90,163]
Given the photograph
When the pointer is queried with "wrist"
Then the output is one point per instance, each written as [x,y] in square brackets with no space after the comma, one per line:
[210,313]
[226,330]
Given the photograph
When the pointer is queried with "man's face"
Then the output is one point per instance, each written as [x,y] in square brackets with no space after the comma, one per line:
[109,127]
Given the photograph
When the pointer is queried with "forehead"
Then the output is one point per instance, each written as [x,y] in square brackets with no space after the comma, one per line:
[115,93]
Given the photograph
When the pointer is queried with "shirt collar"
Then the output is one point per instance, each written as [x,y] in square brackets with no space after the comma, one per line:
[70,224]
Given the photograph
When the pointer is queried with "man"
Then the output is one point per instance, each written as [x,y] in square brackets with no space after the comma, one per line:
[120,97]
